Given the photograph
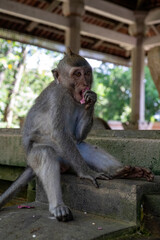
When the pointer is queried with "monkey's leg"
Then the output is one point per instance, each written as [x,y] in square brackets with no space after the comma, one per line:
[134,172]
[44,162]
[99,159]
[103,161]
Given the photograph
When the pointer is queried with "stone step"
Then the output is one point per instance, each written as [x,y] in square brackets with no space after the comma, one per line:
[35,223]
[144,152]
[148,134]
[118,199]
[11,151]
[151,213]
[132,147]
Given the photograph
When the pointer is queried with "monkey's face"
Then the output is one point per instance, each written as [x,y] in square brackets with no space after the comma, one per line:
[79,80]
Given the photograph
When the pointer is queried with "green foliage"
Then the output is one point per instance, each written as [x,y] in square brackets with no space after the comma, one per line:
[33,81]
[112,84]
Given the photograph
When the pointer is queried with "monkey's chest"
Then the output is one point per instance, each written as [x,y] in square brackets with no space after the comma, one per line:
[72,121]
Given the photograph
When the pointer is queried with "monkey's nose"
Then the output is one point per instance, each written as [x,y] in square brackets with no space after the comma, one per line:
[85,84]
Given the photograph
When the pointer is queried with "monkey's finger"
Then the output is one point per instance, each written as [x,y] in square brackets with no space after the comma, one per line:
[95,183]
[149,176]
[87,106]
[92,179]
[104,177]
[59,214]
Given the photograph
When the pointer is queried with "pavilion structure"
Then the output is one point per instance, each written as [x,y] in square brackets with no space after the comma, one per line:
[118,31]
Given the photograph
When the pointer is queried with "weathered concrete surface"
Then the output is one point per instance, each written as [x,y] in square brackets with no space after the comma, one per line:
[130,147]
[11,151]
[149,134]
[151,213]
[119,199]
[152,201]
[131,151]
[18,224]
[10,173]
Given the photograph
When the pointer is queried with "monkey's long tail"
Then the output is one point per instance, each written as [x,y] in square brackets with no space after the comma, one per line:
[16,186]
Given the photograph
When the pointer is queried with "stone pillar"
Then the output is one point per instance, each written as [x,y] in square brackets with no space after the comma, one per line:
[74,10]
[138,86]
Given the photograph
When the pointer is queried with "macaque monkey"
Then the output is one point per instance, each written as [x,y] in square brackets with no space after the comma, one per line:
[54,133]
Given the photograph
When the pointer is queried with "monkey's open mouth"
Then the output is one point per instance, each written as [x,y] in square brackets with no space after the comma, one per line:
[82,101]
[80,93]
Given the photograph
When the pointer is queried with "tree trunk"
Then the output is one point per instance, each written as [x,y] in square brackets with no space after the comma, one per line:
[2,72]
[2,75]
[8,112]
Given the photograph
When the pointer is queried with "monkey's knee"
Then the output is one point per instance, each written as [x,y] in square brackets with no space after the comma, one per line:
[62,213]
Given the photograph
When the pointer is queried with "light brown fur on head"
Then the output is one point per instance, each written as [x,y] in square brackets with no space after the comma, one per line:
[70,59]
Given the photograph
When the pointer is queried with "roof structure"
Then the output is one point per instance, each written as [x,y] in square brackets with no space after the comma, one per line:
[105,28]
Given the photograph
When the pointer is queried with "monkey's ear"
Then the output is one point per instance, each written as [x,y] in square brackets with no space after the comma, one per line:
[55,75]
[69,52]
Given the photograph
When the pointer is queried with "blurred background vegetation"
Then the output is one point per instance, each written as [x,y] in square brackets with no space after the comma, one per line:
[26,70]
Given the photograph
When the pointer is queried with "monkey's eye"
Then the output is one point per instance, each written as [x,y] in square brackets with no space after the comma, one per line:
[88,73]
[78,74]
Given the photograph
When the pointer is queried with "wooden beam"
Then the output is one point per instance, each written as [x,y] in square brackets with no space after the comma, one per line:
[51,29]
[104,57]
[54,20]
[151,42]
[58,47]
[118,26]
[155,29]
[32,40]
[107,35]
[153,17]
[97,44]
[33,14]
[9,18]
[110,10]
[49,8]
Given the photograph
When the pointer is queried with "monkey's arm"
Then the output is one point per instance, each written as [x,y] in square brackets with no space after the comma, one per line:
[85,122]
[60,137]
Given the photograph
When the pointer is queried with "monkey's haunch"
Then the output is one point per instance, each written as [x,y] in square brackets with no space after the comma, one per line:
[21,182]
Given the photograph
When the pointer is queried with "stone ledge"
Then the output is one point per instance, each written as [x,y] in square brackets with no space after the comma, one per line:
[118,199]
[132,151]
[28,223]
[140,148]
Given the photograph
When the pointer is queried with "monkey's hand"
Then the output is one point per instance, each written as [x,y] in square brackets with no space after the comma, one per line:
[62,213]
[93,176]
[90,98]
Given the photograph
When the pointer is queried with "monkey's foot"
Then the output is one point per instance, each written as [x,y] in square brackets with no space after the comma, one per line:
[93,176]
[134,172]
[62,213]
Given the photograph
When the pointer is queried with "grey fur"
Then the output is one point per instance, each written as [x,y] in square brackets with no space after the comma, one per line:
[54,131]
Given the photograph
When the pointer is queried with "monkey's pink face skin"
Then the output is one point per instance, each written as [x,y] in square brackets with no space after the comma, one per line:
[81,78]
